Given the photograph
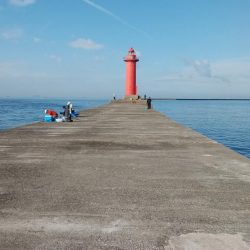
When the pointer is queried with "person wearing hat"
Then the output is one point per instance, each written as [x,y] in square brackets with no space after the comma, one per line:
[68,112]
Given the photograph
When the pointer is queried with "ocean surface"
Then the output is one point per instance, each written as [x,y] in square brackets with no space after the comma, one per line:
[227,122]
[16,112]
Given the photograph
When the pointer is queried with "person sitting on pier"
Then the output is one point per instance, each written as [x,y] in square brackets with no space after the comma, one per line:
[51,113]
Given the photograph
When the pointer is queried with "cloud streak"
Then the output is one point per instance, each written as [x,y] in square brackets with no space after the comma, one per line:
[202,67]
[114,16]
[36,39]
[21,3]
[12,34]
[86,44]
[55,58]
[16,70]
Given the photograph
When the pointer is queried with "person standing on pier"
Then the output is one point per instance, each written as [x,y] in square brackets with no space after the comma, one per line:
[68,111]
[149,103]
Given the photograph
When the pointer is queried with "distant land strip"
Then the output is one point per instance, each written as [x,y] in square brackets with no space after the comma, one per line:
[200,99]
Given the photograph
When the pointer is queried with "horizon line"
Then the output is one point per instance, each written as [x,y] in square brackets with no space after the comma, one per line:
[201,99]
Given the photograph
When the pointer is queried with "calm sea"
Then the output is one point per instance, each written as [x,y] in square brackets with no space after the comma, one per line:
[16,112]
[227,122]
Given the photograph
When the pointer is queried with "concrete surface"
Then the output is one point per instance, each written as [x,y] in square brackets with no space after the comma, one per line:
[121,177]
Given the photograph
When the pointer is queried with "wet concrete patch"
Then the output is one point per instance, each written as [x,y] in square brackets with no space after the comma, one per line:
[204,241]
[103,145]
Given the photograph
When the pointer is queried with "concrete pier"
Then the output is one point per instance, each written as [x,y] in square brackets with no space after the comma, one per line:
[121,177]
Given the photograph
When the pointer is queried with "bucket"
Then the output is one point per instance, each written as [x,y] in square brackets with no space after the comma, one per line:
[59,120]
[48,118]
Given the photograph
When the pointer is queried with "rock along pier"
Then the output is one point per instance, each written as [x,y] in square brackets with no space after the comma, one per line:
[121,177]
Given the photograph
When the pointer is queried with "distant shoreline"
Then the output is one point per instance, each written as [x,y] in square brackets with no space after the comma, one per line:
[198,99]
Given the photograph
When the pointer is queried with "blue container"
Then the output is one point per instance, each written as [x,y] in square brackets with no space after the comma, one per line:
[74,113]
[48,118]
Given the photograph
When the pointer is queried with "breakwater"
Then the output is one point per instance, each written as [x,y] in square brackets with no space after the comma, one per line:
[120,177]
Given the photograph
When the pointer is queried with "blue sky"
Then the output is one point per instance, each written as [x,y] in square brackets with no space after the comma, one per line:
[63,48]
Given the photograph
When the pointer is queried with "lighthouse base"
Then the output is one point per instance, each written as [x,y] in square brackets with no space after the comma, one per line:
[131,97]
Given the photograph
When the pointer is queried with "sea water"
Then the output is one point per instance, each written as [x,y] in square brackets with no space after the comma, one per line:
[226,121]
[17,112]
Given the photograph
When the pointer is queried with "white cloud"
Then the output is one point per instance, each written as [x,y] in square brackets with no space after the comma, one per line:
[21,3]
[56,58]
[12,34]
[16,70]
[20,78]
[231,71]
[86,44]
[36,39]
[6,69]
[237,68]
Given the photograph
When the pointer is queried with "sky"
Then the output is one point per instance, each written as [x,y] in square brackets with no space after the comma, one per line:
[75,48]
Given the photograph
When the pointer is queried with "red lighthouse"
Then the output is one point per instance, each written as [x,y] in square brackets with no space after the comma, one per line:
[131,59]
